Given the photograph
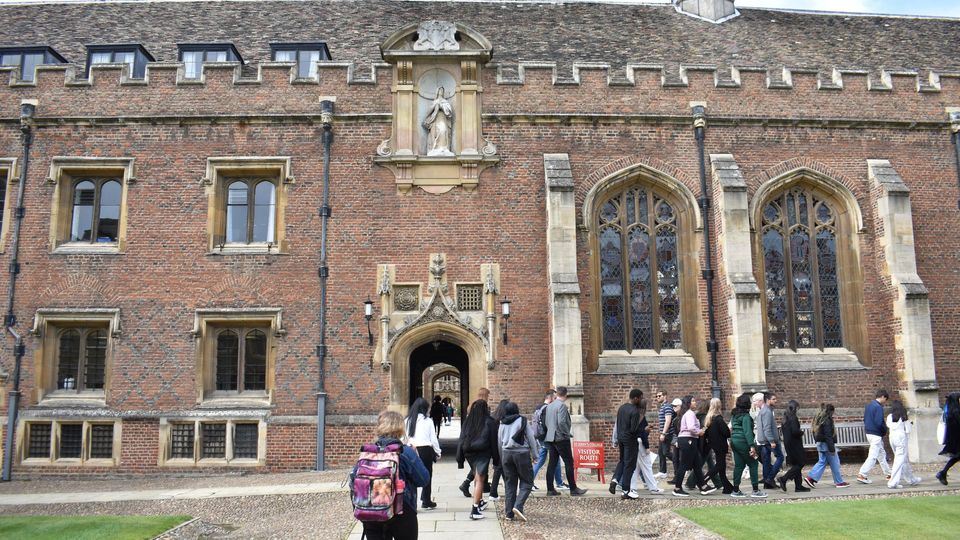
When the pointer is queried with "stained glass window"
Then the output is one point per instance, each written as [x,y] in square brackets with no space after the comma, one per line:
[639,272]
[799,241]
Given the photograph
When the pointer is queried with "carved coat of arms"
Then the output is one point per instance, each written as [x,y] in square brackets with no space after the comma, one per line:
[436,36]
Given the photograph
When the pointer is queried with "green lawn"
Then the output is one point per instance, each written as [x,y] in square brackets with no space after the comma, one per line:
[87,527]
[895,518]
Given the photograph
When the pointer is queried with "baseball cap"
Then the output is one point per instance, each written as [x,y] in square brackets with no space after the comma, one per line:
[677,402]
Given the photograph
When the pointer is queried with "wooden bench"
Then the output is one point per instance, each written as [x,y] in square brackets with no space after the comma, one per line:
[849,434]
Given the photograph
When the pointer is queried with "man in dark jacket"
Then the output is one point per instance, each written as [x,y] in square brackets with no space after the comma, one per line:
[876,428]
[628,433]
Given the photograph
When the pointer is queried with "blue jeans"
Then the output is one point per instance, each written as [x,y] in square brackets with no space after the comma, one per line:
[541,461]
[770,470]
[826,457]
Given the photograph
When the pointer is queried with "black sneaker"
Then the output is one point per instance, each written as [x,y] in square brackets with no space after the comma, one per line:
[465,489]
[942,477]
[430,505]
[475,513]
[679,492]
[706,489]
[576,492]
[783,483]
[613,487]
[553,493]
[482,506]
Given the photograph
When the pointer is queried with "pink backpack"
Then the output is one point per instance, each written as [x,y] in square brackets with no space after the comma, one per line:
[376,488]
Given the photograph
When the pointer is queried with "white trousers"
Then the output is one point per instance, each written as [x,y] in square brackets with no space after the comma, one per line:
[877,454]
[644,470]
[901,463]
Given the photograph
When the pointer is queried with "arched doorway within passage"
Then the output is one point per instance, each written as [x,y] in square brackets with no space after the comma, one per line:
[446,358]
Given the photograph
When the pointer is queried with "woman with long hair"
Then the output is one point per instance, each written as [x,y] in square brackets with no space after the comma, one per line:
[436,413]
[516,442]
[743,442]
[498,415]
[717,435]
[793,442]
[951,439]
[422,437]
[403,526]
[898,425]
[825,435]
[644,470]
[478,446]
[688,441]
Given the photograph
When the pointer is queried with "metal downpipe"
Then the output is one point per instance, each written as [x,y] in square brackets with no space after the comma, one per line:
[326,117]
[700,126]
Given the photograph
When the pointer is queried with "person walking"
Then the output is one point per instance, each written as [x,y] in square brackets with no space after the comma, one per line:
[876,428]
[674,444]
[665,414]
[548,398]
[825,435]
[412,471]
[422,437]
[743,443]
[478,446]
[951,436]
[644,471]
[628,442]
[768,441]
[436,413]
[793,443]
[558,440]
[898,426]
[497,470]
[717,436]
[688,439]
[517,443]
[706,453]
[482,394]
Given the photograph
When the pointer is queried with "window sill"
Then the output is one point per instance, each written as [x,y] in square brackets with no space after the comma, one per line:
[67,398]
[830,359]
[246,249]
[70,248]
[646,362]
[257,400]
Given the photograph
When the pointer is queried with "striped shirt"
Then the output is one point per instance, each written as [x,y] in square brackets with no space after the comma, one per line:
[665,409]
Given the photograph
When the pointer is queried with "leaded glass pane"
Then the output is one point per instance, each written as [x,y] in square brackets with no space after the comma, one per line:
[255,361]
[181,441]
[264,212]
[84,197]
[245,438]
[108,222]
[71,439]
[39,446]
[611,288]
[237,213]
[95,359]
[68,361]
[641,293]
[213,440]
[802,288]
[192,61]
[228,351]
[829,287]
[101,441]
[668,286]
[791,210]
[776,294]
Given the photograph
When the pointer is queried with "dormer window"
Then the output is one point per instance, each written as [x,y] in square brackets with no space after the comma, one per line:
[28,58]
[134,56]
[306,55]
[194,56]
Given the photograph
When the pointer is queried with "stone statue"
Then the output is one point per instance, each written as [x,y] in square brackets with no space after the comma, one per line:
[439,126]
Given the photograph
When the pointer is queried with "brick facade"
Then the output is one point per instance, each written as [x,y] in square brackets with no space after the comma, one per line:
[598,116]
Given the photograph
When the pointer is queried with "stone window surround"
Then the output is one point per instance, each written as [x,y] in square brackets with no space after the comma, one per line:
[63,170]
[164,459]
[55,461]
[457,285]
[849,219]
[205,320]
[9,177]
[688,237]
[46,322]
[219,171]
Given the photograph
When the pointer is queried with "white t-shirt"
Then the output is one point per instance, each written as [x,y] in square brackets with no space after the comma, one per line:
[426,434]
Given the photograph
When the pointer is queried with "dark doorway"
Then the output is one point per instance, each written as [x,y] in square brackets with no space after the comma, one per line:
[440,352]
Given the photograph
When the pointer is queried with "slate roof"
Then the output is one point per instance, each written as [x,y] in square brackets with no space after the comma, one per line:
[614,34]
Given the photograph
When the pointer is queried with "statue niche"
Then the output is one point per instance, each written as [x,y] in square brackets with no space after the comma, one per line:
[436,140]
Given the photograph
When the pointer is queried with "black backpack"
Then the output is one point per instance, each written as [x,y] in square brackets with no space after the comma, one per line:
[540,423]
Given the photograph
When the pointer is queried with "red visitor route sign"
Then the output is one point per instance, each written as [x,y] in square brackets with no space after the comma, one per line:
[589,455]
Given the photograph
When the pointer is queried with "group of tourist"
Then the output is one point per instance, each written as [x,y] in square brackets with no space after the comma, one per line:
[695,436]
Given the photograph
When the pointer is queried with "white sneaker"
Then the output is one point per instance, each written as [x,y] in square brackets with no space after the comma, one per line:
[758,494]
[632,494]
[657,490]
[660,475]
[863,479]
[915,481]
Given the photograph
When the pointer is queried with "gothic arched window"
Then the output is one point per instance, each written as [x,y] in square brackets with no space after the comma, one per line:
[800,269]
[639,273]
